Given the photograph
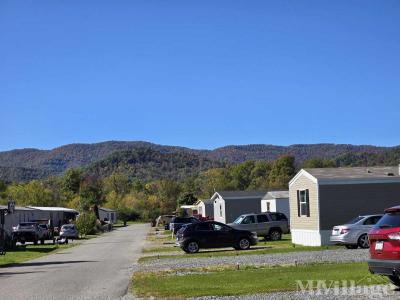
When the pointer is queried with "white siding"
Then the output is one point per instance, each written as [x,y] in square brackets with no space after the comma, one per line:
[219,210]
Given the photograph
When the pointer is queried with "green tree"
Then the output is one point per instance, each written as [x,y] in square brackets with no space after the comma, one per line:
[33,193]
[117,182]
[86,223]
[281,172]
[91,192]
[187,199]
[241,175]
[71,180]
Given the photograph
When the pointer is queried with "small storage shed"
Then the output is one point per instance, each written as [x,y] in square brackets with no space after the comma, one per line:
[228,205]
[276,201]
[206,208]
[324,197]
[107,214]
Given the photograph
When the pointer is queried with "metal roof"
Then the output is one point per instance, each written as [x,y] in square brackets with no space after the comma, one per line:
[230,195]
[106,209]
[50,208]
[277,194]
[355,173]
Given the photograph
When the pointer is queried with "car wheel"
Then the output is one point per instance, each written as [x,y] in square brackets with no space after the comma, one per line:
[275,235]
[35,242]
[351,246]
[244,244]
[395,280]
[363,241]
[192,247]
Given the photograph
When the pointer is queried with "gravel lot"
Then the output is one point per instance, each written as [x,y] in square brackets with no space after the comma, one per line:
[337,255]
[368,292]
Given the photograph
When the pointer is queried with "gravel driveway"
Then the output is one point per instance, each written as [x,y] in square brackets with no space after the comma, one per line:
[337,255]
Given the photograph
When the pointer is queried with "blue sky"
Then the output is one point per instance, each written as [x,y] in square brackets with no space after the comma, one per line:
[200,74]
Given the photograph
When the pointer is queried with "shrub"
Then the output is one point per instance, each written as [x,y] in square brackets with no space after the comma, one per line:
[86,223]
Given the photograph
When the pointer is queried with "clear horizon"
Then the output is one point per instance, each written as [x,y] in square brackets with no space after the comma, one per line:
[200,75]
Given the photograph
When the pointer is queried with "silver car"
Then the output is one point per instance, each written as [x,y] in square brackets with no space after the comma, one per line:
[69,231]
[354,234]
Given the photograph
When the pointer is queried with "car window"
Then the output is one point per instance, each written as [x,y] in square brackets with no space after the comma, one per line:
[194,220]
[220,227]
[273,217]
[249,220]
[239,220]
[203,227]
[370,221]
[355,220]
[262,218]
[389,220]
[281,217]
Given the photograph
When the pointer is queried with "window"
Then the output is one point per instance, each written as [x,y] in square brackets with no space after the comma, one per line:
[372,220]
[268,206]
[220,210]
[220,227]
[303,203]
[249,220]
[262,218]
[203,227]
[278,217]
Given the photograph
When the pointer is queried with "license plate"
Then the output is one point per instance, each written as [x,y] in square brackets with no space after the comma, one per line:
[379,245]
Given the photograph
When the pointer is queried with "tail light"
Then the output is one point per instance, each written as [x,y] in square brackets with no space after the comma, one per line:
[344,230]
[394,236]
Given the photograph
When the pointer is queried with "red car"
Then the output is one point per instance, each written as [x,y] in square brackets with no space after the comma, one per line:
[384,248]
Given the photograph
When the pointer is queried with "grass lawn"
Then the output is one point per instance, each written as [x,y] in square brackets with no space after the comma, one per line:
[263,247]
[251,280]
[28,252]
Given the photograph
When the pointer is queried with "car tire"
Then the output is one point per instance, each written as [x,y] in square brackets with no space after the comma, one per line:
[351,246]
[363,241]
[275,235]
[243,244]
[395,280]
[191,247]
[35,242]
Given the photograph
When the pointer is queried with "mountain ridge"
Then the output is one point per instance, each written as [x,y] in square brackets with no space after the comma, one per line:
[30,163]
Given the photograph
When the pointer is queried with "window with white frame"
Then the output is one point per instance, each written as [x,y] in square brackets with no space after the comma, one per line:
[303,203]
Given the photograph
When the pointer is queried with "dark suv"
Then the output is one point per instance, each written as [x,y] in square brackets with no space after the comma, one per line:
[384,249]
[178,222]
[211,234]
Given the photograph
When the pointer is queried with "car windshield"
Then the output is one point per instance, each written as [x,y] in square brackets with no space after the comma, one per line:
[26,224]
[67,227]
[355,220]
[239,220]
[43,226]
[389,220]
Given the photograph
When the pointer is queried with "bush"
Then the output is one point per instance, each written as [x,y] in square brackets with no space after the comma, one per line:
[127,214]
[86,223]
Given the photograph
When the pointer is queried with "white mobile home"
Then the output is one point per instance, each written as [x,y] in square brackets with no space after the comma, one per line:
[205,208]
[276,201]
[107,214]
[228,205]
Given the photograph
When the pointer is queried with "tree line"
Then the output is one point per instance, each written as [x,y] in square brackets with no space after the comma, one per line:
[134,198]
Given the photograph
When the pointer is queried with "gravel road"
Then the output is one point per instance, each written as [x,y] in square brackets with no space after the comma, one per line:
[337,255]
[99,268]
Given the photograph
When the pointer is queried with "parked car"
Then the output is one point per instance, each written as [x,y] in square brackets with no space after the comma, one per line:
[211,234]
[269,225]
[384,249]
[164,220]
[354,233]
[28,232]
[178,222]
[69,231]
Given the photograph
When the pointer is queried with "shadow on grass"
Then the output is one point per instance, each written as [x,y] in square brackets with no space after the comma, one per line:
[33,249]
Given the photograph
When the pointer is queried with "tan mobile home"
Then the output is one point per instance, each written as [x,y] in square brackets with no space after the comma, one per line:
[322,198]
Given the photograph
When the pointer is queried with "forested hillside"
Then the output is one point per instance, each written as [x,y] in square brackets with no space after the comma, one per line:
[169,161]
